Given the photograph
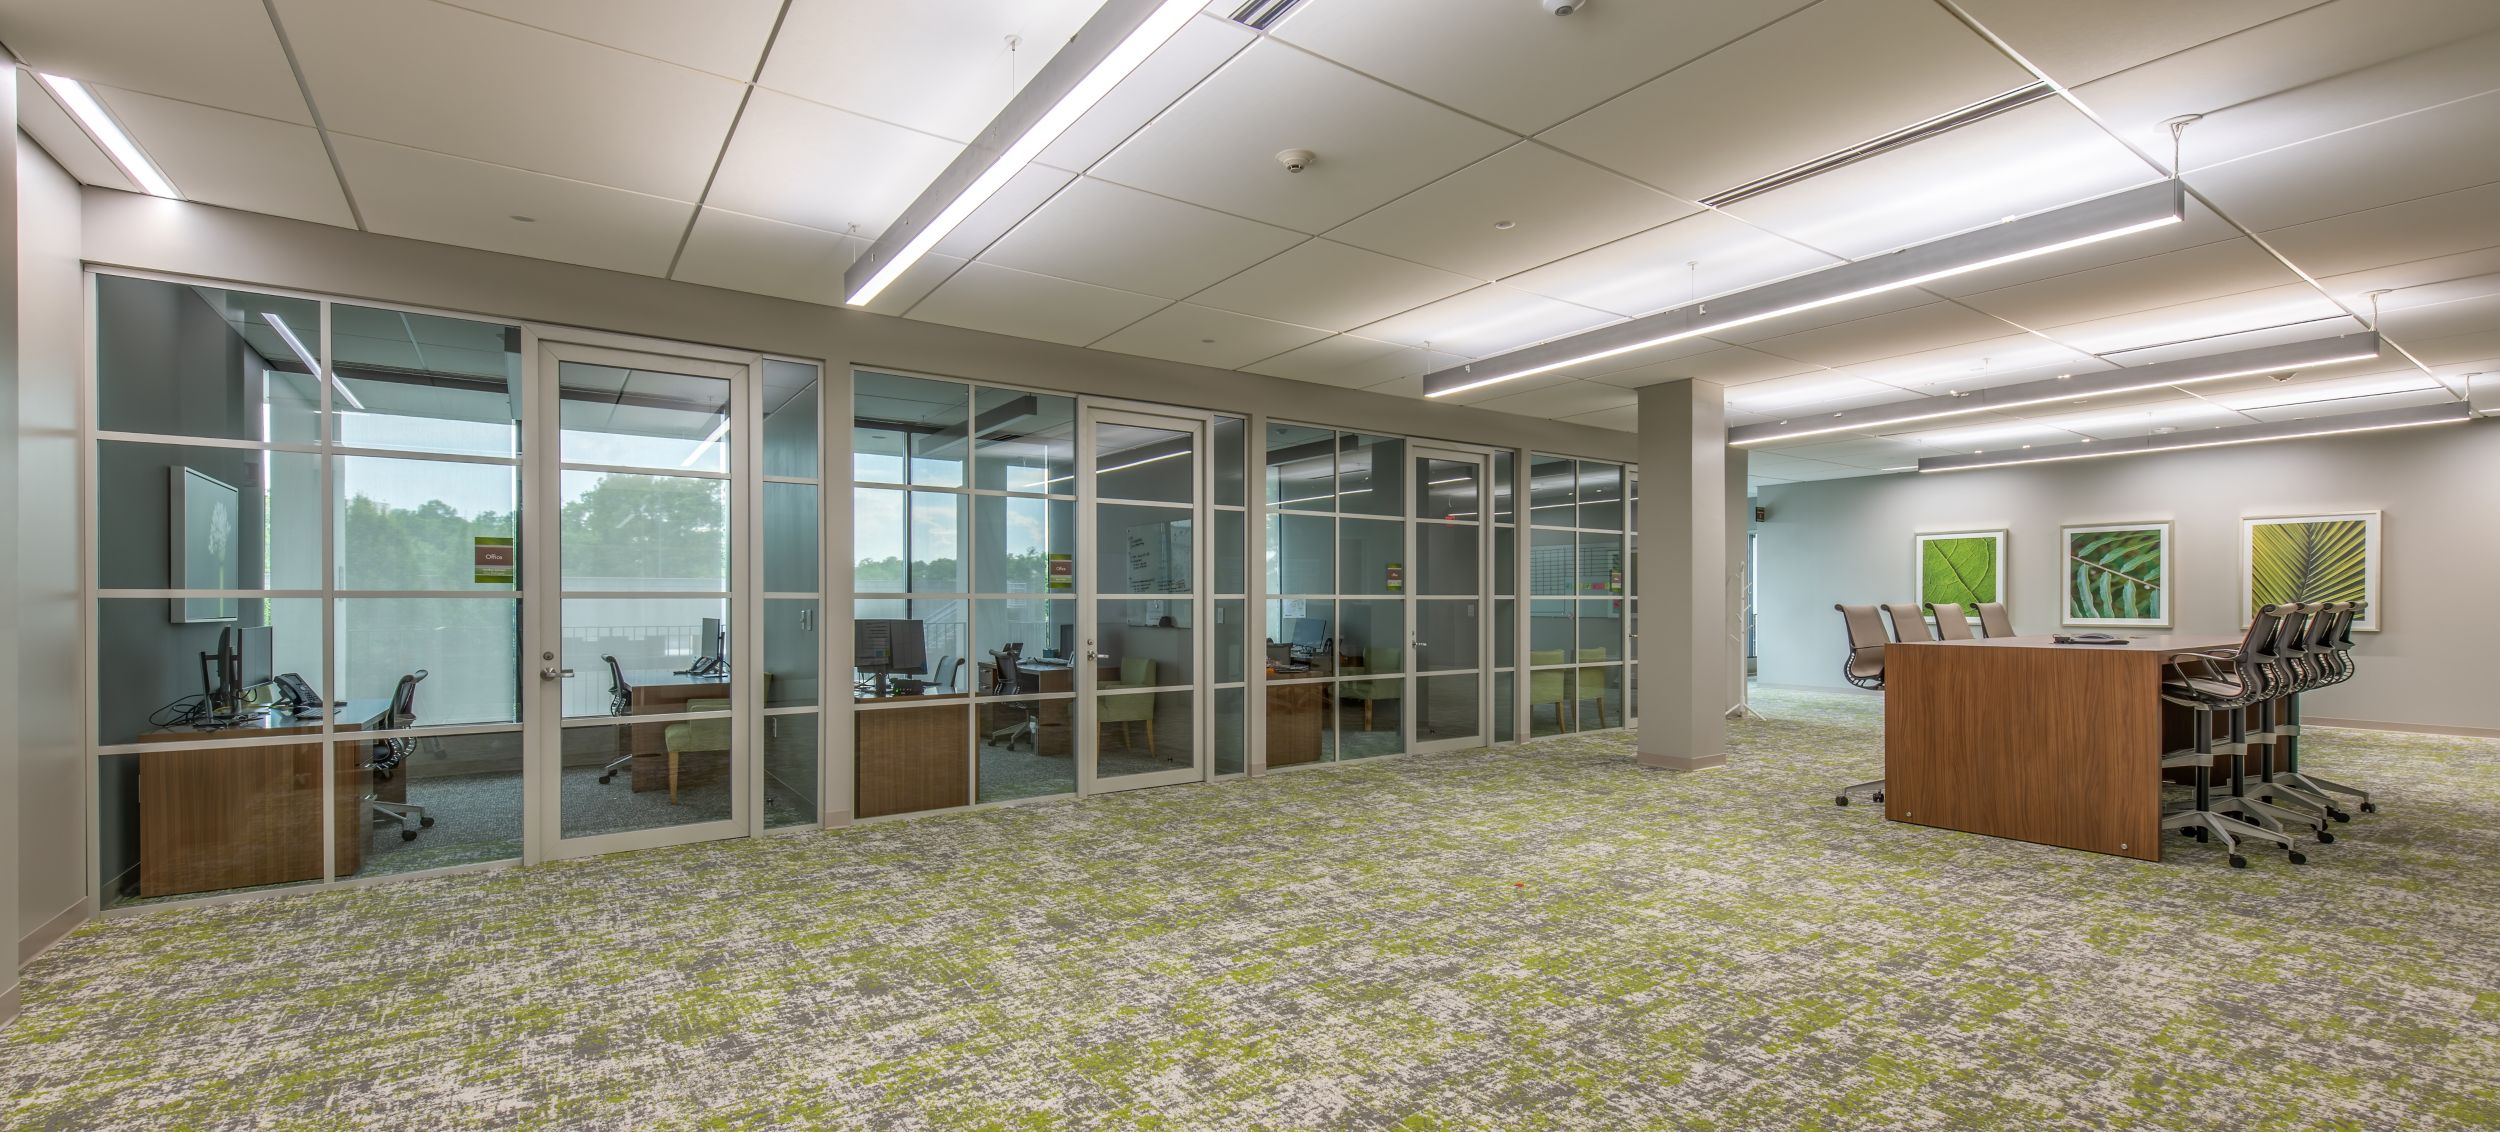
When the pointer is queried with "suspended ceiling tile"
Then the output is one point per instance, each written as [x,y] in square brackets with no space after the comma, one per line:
[2076,43]
[1698,256]
[2461,350]
[235,160]
[2171,411]
[796,161]
[1779,466]
[1859,310]
[1217,146]
[60,136]
[1324,359]
[1825,79]
[767,257]
[2208,326]
[1485,321]
[1208,337]
[2009,360]
[428,196]
[1987,435]
[1927,327]
[1556,205]
[1201,47]
[2400,159]
[2201,226]
[1028,189]
[2225,268]
[1567,399]
[943,69]
[725,37]
[214,52]
[2463,314]
[2419,229]
[1622,418]
[1724,365]
[518,96]
[1327,284]
[1002,300]
[2378,403]
[1511,63]
[2274,395]
[1810,393]
[2039,157]
[1112,236]
[1871,453]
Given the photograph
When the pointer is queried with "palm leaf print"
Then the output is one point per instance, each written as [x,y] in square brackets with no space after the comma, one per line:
[2324,561]
[1962,570]
[2114,575]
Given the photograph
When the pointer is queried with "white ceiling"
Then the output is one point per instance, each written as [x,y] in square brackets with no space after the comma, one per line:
[1488,176]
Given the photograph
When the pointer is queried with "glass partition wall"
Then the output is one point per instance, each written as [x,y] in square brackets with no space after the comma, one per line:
[1577,616]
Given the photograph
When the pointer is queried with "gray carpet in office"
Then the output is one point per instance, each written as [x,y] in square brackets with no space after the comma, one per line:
[1541,936]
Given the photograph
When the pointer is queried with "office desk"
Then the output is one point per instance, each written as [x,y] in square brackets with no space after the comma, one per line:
[1297,716]
[661,692]
[219,818]
[911,758]
[2025,738]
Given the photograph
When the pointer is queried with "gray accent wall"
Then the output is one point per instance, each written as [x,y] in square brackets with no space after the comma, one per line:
[51,773]
[1849,541]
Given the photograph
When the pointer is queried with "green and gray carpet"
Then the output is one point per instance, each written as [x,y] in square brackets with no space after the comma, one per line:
[1517,938]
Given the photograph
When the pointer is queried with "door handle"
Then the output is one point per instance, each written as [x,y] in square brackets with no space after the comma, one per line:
[551,672]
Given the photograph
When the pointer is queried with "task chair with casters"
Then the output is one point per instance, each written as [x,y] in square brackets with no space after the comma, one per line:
[1909,623]
[1548,688]
[1865,669]
[389,755]
[2330,659]
[1007,679]
[695,736]
[2267,802]
[1951,623]
[1994,620]
[2252,677]
[1369,692]
[620,702]
[1135,672]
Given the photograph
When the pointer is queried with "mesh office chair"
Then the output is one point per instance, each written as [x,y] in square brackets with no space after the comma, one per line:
[1951,623]
[390,754]
[2269,803]
[1994,620]
[1864,668]
[2254,675]
[1007,679]
[2331,663]
[620,702]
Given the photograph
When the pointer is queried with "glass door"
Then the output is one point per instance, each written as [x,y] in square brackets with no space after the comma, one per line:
[1138,678]
[645,477]
[1450,630]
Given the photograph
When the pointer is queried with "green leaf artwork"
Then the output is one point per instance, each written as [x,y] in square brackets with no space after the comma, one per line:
[2114,575]
[1961,569]
[2308,561]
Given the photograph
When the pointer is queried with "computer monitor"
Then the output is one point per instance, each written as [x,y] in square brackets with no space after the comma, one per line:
[709,642]
[240,662]
[888,645]
[1310,633]
[1067,640]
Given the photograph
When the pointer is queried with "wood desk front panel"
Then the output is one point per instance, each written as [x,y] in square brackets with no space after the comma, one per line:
[912,758]
[1297,720]
[220,818]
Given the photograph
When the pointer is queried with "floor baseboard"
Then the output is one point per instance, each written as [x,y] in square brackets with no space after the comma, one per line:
[51,931]
[8,1005]
[2411,728]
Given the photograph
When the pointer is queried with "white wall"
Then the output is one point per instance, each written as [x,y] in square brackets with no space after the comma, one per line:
[52,893]
[2439,489]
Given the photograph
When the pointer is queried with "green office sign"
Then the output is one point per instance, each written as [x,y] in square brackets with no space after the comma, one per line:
[1062,573]
[497,561]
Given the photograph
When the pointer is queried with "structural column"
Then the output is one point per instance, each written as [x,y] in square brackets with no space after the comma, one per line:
[1686,661]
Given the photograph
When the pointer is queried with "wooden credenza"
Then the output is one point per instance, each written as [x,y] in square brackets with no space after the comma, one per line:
[219,818]
[912,758]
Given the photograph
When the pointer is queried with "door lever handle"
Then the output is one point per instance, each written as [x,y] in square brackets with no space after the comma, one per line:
[551,672]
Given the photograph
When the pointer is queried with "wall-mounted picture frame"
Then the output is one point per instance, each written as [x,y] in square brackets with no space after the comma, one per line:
[2115,575]
[2311,558]
[1962,567]
[207,542]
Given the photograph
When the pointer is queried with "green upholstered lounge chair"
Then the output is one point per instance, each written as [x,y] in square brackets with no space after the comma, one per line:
[1372,691]
[1135,672]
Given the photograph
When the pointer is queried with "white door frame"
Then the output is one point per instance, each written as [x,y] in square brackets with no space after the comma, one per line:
[1482,461]
[1089,594]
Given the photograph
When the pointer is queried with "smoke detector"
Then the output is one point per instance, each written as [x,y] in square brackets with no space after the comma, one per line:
[1296,160]
[1563,7]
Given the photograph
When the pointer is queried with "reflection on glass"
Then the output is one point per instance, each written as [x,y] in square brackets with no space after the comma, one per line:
[1448,489]
[149,681]
[1446,635]
[469,648]
[1301,468]
[1300,633]
[1601,495]
[1232,451]
[182,360]
[1371,556]
[790,537]
[463,793]
[640,418]
[632,655]
[791,412]
[1550,630]
[793,765]
[638,532]
[1550,561]
[1151,643]
[1601,630]
[877,538]
[1445,708]
[909,430]
[1445,560]
[1138,462]
[1301,554]
[1144,732]
[1371,475]
[937,538]
[1143,550]
[1551,494]
[1232,730]
[1023,545]
[1601,563]
[1026,442]
[1503,511]
[416,524]
[1040,632]
[179,517]
[1027,748]
[424,383]
[1232,554]
[791,640]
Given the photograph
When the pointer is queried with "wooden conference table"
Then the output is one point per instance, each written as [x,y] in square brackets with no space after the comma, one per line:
[2025,738]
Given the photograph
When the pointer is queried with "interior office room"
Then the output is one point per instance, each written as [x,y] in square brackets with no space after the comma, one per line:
[1081,563]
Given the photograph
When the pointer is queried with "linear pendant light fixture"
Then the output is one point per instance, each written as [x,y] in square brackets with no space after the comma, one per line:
[312,365]
[2456,412]
[108,133]
[2133,379]
[1116,41]
[2073,226]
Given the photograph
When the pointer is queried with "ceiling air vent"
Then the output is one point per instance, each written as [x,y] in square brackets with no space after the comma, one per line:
[1943,123]
[1263,14]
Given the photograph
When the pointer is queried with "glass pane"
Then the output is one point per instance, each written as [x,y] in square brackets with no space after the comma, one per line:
[1301,554]
[1232,730]
[1232,453]
[225,819]
[1551,635]
[1550,562]
[423,382]
[1372,556]
[1601,495]
[1151,643]
[1023,546]
[1373,635]
[1549,701]
[1026,442]
[793,766]
[1502,510]
[912,758]
[791,646]
[1370,718]
[1301,468]
[1446,635]
[468,648]
[1601,563]
[1371,475]
[1601,630]
[1300,633]
[459,795]
[243,520]
[629,776]
[1028,748]
[908,430]
[1448,490]
[1505,727]
[790,538]
[1144,732]
[937,539]
[1633,647]
[1232,553]
[153,685]
[181,360]
[916,639]
[1506,561]
[1301,724]
[1551,492]
[1598,697]
[1140,462]
[635,532]
[419,524]
[1042,635]
[636,655]
[1232,641]
[1143,550]
[1446,560]
[877,541]
[792,409]
[640,418]
[1505,634]
[1445,708]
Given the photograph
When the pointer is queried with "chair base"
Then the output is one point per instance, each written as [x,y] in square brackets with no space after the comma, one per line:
[2323,787]
[607,773]
[410,818]
[2231,830]
[1877,786]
